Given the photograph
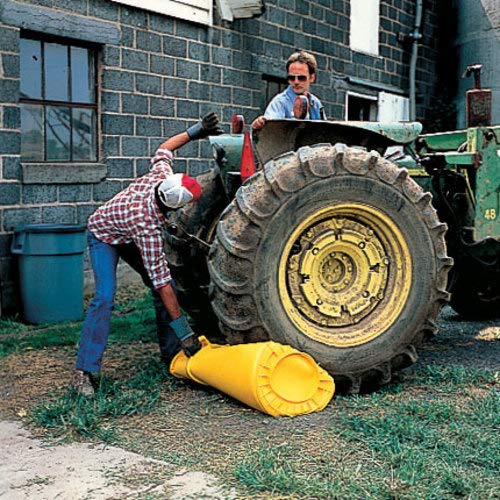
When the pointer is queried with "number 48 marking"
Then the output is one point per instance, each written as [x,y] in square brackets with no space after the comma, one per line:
[490,214]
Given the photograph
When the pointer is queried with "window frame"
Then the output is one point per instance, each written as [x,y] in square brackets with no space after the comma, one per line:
[373,100]
[196,11]
[46,103]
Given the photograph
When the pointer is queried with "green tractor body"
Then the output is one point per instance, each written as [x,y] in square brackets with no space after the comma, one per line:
[339,246]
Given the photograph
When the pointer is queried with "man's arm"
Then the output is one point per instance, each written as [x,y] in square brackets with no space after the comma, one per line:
[176,141]
[179,324]
[208,125]
[170,302]
[275,110]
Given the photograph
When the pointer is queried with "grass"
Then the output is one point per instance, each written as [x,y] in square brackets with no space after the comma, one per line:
[71,415]
[437,440]
[432,435]
[133,321]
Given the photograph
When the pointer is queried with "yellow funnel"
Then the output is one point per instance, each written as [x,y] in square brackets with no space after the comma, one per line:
[270,377]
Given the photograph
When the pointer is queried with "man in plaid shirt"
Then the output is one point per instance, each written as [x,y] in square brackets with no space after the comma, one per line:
[130,226]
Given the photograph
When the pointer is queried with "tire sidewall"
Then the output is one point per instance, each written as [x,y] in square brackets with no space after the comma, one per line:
[328,192]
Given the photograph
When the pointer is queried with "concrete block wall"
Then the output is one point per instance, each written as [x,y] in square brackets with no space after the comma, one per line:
[157,75]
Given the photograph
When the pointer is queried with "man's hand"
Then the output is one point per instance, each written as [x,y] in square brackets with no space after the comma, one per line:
[209,125]
[259,122]
[191,346]
[189,342]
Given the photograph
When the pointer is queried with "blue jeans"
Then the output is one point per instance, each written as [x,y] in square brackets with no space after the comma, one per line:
[95,331]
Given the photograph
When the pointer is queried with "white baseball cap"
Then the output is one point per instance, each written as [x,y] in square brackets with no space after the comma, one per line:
[177,190]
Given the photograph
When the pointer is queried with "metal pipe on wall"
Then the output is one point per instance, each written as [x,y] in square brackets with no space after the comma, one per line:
[416,36]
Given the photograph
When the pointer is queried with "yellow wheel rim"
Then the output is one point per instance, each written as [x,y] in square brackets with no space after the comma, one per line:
[345,274]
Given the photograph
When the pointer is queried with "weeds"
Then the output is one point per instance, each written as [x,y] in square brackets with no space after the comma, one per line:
[71,415]
[133,321]
[418,446]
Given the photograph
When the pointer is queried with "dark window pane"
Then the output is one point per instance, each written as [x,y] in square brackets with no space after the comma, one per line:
[82,75]
[31,132]
[84,147]
[56,72]
[58,132]
[31,69]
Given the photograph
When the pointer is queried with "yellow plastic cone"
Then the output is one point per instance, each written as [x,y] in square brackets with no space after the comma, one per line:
[270,377]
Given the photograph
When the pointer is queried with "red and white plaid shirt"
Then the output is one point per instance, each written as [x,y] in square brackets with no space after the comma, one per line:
[132,215]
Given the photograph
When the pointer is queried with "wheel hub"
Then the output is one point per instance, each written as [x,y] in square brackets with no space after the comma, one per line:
[340,272]
[339,268]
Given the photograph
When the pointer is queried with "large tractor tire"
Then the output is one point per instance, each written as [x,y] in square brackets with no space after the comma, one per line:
[187,259]
[336,252]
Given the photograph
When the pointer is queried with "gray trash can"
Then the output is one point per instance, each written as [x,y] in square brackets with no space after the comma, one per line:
[50,271]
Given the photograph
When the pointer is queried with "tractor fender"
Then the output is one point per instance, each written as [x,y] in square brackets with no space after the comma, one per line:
[280,136]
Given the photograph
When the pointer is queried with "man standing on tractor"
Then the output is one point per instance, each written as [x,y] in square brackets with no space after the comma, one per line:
[301,72]
[130,226]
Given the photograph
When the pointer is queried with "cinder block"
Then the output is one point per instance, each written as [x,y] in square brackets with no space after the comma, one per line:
[188,70]
[11,167]
[145,40]
[10,64]
[188,109]
[135,146]
[133,17]
[111,56]
[59,214]
[198,51]
[10,142]
[148,126]
[110,101]
[117,80]
[105,190]
[120,167]
[75,193]
[148,84]
[133,103]
[9,39]
[174,87]
[161,23]
[162,107]
[117,124]
[11,117]
[36,194]
[175,47]
[10,193]
[17,216]
[134,59]
[9,90]
[162,65]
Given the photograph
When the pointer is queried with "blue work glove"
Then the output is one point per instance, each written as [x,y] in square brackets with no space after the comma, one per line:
[183,331]
[209,125]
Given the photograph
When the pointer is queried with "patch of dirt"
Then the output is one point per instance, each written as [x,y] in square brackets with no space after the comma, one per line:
[28,469]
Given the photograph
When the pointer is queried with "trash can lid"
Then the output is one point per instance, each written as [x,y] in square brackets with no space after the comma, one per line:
[50,228]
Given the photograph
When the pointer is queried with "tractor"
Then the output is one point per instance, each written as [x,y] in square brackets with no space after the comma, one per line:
[342,239]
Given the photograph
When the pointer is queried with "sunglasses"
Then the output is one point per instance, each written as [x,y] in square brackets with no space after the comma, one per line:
[300,78]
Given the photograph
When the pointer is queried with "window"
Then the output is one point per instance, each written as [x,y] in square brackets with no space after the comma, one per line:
[274,85]
[361,107]
[58,101]
[364,26]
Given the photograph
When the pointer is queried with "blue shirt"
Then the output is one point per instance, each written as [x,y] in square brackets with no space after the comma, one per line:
[281,106]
